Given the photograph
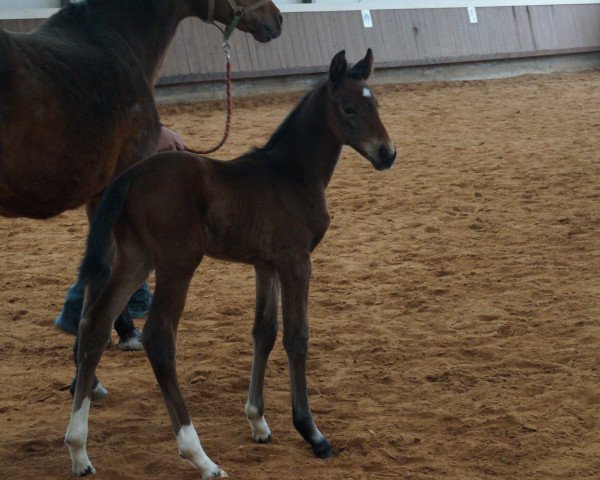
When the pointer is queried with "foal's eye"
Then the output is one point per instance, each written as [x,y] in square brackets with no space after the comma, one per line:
[349,110]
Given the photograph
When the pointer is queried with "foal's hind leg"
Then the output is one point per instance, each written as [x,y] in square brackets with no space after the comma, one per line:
[264,334]
[159,340]
[131,269]
[129,336]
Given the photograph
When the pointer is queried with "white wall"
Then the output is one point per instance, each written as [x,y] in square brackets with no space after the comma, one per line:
[6,4]
[337,5]
[15,9]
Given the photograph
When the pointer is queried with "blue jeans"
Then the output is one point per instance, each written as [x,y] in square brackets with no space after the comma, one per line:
[68,318]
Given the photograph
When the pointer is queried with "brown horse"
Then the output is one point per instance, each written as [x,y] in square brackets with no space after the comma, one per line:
[266,208]
[76,100]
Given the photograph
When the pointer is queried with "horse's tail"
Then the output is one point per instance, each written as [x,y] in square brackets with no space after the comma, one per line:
[95,267]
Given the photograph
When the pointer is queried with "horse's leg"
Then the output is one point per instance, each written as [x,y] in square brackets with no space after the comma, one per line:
[295,279]
[264,334]
[159,339]
[100,311]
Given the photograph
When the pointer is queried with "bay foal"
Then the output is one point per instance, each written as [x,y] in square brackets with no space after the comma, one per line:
[266,208]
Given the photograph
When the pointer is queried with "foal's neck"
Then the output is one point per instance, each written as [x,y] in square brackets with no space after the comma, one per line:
[305,142]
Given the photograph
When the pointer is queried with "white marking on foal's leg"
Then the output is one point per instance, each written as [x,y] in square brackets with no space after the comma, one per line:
[191,450]
[76,439]
[367,92]
[260,430]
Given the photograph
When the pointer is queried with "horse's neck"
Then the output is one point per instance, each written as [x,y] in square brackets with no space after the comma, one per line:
[145,26]
[309,146]
[150,32]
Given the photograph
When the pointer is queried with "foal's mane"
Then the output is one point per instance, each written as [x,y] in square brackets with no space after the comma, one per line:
[287,125]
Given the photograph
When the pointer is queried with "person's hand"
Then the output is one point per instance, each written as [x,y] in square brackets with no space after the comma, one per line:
[169,141]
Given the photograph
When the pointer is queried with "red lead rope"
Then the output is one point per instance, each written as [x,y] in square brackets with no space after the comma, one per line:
[229,109]
[238,12]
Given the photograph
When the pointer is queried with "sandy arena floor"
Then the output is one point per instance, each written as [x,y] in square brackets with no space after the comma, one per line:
[454,308]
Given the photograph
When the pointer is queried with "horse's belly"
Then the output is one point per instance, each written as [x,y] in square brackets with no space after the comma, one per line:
[40,193]
[61,145]
[44,170]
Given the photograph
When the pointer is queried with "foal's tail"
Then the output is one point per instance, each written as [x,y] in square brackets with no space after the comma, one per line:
[95,267]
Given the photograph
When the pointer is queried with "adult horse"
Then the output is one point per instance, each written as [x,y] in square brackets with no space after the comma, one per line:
[266,208]
[76,99]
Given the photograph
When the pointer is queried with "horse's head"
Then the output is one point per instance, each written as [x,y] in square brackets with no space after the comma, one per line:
[261,18]
[354,111]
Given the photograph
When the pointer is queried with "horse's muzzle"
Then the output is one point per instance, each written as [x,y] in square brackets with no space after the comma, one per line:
[265,33]
[263,29]
[386,156]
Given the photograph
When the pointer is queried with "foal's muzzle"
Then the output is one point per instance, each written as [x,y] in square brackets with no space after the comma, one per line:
[385,156]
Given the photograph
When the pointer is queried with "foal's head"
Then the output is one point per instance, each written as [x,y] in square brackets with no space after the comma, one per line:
[353,112]
[261,18]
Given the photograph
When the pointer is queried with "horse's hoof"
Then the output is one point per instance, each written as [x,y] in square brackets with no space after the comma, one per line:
[98,393]
[220,473]
[322,449]
[133,343]
[88,470]
[265,438]
[260,430]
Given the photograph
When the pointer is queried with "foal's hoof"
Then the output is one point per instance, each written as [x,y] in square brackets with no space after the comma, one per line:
[322,449]
[219,473]
[132,343]
[265,438]
[88,470]
[260,430]
[98,393]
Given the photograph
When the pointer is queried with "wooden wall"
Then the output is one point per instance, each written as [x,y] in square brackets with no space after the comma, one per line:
[22,26]
[398,38]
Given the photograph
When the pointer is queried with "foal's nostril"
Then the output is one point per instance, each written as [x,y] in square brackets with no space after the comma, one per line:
[280,19]
[384,152]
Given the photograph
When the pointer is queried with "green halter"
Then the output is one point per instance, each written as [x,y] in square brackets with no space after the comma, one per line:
[238,13]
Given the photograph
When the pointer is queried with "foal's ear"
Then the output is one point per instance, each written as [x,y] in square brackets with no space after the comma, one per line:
[364,68]
[338,67]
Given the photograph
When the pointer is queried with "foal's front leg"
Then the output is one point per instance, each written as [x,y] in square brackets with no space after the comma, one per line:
[264,334]
[295,279]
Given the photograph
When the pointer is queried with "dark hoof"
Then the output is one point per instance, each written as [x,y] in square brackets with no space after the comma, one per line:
[88,471]
[322,449]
